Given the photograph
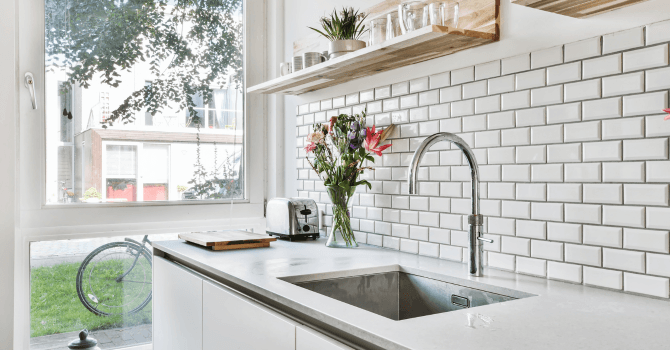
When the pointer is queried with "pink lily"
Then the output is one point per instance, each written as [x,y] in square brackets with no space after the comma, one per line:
[310,147]
[667,110]
[372,141]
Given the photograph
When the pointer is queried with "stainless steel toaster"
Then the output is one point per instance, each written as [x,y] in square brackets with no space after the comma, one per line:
[292,218]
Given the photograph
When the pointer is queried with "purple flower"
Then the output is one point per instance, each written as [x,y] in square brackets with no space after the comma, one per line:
[354,126]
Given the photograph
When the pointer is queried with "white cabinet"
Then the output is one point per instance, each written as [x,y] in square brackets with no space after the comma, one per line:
[177,307]
[233,322]
[308,339]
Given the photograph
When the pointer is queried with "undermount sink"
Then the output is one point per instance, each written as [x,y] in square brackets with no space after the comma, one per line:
[400,294]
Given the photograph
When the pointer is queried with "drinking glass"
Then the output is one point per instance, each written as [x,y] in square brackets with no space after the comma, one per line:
[410,16]
[392,26]
[450,14]
[378,31]
[436,13]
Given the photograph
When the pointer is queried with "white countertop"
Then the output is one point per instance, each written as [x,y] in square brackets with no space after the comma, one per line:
[561,316]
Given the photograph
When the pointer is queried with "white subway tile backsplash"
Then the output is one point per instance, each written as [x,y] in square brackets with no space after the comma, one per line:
[546,173]
[531,192]
[501,85]
[400,89]
[564,192]
[531,229]
[557,231]
[603,236]
[603,193]
[546,250]
[516,64]
[651,103]
[583,213]
[623,172]
[602,66]
[603,278]
[586,131]
[531,154]
[602,109]
[546,96]
[625,128]
[564,73]
[583,172]
[487,70]
[440,80]
[623,84]
[647,240]
[658,264]
[583,49]
[417,85]
[565,272]
[515,100]
[643,284]
[657,79]
[564,113]
[409,101]
[487,104]
[531,117]
[500,120]
[514,137]
[582,254]
[623,260]
[475,89]
[658,171]
[623,40]
[651,57]
[567,153]
[531,79]
[658,32]
[514,245]
[462,108]
[547,134]
[531,266]
[547,57]
[623,216]
[646,149]
[462,75]
[429,97]
[585,90]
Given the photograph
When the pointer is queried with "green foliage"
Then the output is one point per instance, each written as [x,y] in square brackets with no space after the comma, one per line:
[188,45]
[92,193]
[208,185]
[348,25]
[181,188]
[55,307]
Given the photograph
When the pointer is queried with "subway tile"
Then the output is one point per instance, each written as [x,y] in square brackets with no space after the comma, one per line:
[409,246]
[603,236]
[564,113]
[487,104]
[602,109]
[516,64]
[352,99]
[382,92]
[315,106]
[623,40]
[451,253]
[531,117]
[409,101]
[583,49]
[657,79]
[603,278]
[501,85]
[374,107]
[440,80]
[658,32]
[502,155]
[649,285]
[429,249]
[602,151]
[487,70]
[515,245]
[658,264]
[452,125]
[547,211]
[451,221]
[547,57]
[500,120]
[501,226]
[623,260]
[532,79]
[656,126]
[623,84]
[476,89]
[367,95]
[651,57]
[391,104]
[546,173]
[440,111]
[585,90]
[437,235]
[586,131]
[565,272]
[531,229]
[531,154]
[650,103]
[501,190]
[515,137]
[625,128]
[462,108]
[487,139]
[501,261]
[647,240]
[564,192]
[391,242]
[439,204]
[429,219]
[658,171]
[474,123]
[417,85]
[420,114]
[463,75]
[304,109]
[546,134]
[646,149]
[460,238]
[567,153]
[531,266]
[546,250]
[583,172]
[603,193]
[582,254]
[516,173]
[400,89]
[514,209]
[546,96]
[564,73]
[623,172]
[429,97]
[623,216]
[531,192]
[658,218]
[583,213]
[564,232]
[602,66]
[326,104]
[516,100]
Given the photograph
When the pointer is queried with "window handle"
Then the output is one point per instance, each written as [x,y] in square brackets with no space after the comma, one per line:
[29,82]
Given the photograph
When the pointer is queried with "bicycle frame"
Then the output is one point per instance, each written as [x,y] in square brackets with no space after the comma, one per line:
[137,256]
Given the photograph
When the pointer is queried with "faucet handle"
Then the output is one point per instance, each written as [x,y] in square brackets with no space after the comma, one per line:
[485,239]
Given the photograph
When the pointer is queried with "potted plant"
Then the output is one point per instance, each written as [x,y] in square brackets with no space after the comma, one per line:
[340,151]
[343,31]
[92,196]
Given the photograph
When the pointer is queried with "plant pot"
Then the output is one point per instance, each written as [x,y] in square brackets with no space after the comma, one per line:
[339,48]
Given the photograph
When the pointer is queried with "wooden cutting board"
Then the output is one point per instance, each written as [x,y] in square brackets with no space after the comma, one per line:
[228,240]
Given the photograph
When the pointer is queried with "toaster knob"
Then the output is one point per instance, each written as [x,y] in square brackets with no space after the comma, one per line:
[305,228]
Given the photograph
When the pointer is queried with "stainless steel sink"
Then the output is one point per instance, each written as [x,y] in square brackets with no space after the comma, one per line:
[401,295]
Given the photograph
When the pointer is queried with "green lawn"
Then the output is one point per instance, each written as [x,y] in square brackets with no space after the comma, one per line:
[55,307]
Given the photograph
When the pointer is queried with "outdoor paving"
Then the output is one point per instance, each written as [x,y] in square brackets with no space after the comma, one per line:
[107,339]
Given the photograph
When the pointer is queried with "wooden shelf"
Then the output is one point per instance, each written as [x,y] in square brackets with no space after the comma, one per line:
[577,8]
[414,47]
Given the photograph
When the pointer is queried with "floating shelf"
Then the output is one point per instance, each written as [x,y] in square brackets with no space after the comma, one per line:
[577,8]
[414,47]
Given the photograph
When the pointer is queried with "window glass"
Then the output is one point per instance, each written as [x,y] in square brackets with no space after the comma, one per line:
[144,100]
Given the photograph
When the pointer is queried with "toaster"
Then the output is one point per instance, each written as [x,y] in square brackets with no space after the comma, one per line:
[292,218]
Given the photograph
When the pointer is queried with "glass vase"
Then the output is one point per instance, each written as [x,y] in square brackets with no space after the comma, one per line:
[341,235]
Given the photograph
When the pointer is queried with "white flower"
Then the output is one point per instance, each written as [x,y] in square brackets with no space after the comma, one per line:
[324,176]
[315,137]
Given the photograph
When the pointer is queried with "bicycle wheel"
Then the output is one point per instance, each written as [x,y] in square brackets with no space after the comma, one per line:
[102,286]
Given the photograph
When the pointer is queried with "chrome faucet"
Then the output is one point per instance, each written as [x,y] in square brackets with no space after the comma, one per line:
[475,219]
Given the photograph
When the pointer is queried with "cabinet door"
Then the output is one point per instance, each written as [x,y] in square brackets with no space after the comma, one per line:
[233,322]
[177,307]
[308,339]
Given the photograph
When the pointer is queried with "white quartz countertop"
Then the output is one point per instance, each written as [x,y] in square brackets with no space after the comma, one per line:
[561,316]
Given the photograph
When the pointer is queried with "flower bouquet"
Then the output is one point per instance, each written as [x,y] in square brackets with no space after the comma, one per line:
[340,149]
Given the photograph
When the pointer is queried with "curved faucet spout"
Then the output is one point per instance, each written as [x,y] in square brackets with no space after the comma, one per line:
[475,220]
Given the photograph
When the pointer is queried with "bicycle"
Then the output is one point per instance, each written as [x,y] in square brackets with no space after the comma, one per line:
[115,279]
